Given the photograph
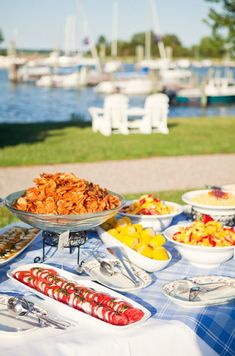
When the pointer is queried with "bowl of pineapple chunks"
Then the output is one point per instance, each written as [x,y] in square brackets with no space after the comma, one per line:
[143,246]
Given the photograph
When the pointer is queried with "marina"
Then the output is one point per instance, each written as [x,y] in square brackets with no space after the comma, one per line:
[28,103]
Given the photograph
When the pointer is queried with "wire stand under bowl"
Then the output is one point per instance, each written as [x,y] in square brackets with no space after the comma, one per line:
[51,239]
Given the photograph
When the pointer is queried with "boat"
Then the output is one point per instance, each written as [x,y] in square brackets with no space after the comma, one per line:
[216,91]
[60,81]
[112,66]
[174,74]
[136,86]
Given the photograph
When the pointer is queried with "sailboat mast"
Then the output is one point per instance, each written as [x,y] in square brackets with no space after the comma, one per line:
[148,44]
[90,37]
[70,35]
[114,29]
[156,24]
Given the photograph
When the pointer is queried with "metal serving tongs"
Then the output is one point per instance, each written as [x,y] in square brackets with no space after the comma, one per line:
[19,306]
[120,253]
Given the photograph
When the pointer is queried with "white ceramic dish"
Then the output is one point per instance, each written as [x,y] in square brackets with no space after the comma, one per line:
[201,256]
[74,313]
[170,288]
[156,222]
[118,281]
[20,224]
[146,263]
[207,209]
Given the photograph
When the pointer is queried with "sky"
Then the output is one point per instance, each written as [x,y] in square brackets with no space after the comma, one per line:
[40,24]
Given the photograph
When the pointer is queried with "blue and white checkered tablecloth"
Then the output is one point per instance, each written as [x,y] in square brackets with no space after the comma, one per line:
[214,324]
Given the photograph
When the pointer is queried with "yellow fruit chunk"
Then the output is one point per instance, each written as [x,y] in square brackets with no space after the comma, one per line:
[146,251]
[160,254]
[114,233]
[128,230]
[144,241]
[123,222]
[138,227]
[130,241]
[157,241]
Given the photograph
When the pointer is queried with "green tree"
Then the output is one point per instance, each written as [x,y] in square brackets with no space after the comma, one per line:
[222,24]
[171,40]
[208,47]
[101,40]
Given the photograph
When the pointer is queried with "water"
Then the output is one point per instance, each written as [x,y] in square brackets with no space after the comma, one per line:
[26,103]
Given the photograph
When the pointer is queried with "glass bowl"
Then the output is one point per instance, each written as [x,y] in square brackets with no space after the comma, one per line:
[61,223]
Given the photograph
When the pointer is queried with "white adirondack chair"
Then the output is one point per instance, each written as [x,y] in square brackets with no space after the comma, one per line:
[113,117]
[151,118]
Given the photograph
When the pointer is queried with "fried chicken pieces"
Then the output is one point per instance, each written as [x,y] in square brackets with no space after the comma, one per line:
[63,194]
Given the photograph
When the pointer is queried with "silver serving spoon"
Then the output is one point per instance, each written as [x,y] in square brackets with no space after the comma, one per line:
[20,307]
[106,268]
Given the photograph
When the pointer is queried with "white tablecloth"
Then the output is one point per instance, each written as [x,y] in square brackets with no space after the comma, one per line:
[162,338]
[155,337]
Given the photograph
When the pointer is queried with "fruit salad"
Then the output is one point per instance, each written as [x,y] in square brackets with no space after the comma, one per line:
[208,233]
[144,241]
[148,205]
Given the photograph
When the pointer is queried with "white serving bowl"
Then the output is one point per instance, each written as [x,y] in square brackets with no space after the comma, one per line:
[146,263]
[156,222]
[201,256]
[212,210]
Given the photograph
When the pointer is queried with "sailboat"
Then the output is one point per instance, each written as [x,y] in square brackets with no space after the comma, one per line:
[126,83]
[81,69]
[168,71]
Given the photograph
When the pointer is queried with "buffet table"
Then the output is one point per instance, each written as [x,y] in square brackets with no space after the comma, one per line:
[171,330]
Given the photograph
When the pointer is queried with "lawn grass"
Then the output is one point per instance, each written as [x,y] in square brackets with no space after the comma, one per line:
[51,143]
[6,217]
